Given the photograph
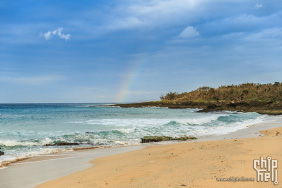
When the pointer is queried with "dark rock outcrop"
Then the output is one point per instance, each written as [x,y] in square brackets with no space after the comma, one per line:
[148,139]
[63,144]
[254,106]
[89,132]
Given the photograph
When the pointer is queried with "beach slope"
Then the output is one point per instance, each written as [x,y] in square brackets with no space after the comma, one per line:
[196,164]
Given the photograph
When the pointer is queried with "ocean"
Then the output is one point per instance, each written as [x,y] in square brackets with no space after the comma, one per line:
[28,130]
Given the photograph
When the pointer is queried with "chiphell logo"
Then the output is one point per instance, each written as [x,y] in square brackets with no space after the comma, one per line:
[266,170]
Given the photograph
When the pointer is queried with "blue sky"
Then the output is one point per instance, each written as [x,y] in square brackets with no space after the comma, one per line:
[134,50]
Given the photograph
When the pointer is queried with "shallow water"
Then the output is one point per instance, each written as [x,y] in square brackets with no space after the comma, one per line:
[25,129]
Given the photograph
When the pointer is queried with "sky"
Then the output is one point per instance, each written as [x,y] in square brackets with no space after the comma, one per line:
[134,50]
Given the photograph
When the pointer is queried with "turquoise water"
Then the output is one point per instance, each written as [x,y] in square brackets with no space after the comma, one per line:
[25,129]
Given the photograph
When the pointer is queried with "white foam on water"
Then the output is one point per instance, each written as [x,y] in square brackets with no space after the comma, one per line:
[10,143]
[151,122]
[17,156]
[199,121]
[17,143]
[225,129]
[127,131]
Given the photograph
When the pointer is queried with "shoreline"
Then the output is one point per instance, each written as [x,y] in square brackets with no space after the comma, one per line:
[205,106]
[49,167]
[59,150]
[80,159]
[195,164]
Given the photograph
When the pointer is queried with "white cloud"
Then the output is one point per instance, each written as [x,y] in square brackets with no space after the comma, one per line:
[30,80]
[48,35]
[235,24]
[258,6]
[151,13]
[126,23]
[156,8]
[189,32]
[270,33]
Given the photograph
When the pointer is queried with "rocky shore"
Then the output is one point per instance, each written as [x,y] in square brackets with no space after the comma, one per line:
[259,107]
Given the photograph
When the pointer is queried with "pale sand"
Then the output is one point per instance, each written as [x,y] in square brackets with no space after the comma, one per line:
[31,172]
[196,164]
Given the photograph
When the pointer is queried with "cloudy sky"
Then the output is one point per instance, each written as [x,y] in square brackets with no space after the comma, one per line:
[134,50]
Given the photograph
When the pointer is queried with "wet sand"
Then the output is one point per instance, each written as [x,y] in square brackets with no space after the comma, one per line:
[33,171]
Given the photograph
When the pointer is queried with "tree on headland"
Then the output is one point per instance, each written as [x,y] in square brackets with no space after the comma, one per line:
[232,93]
[170,96]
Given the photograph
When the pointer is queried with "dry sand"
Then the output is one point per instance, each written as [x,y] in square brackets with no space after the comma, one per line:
[192,165]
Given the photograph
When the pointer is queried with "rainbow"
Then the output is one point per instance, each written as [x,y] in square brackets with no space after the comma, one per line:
[127,82]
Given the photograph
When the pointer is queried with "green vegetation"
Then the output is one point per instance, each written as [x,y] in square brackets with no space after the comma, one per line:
[233,93]
[147,139]
[248,97]
[261,98]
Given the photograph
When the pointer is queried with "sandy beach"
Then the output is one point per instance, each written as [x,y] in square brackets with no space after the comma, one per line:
[196,164]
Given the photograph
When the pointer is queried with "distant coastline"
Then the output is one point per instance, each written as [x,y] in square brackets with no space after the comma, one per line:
[250,97]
